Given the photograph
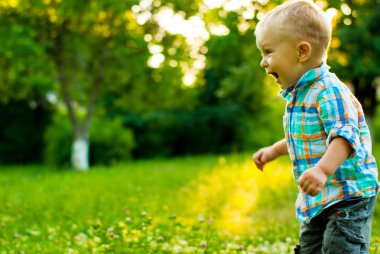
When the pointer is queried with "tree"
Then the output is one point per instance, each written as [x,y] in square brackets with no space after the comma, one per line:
[356,49]
[129,56]
[85,45]
[88,53]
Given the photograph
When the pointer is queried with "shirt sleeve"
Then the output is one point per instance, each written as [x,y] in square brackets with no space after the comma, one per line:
[340,117]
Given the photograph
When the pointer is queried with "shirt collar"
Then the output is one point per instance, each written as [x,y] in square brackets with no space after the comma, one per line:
[307,79]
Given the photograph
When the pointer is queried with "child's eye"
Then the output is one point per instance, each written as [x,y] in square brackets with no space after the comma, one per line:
[267,51]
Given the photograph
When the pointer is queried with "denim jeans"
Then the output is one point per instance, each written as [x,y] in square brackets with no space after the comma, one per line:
[342,228]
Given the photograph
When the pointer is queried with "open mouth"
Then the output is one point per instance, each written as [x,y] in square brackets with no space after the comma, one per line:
[274,75]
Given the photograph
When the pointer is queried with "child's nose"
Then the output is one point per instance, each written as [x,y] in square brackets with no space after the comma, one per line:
[263,63]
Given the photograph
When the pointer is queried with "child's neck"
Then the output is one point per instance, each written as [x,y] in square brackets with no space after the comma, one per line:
[313,64]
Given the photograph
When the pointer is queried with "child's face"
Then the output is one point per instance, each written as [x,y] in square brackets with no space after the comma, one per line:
[279,56]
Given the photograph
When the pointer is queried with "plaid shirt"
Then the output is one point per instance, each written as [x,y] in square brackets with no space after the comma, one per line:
[319,108]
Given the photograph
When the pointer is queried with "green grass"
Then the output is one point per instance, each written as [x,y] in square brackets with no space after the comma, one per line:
[205,204]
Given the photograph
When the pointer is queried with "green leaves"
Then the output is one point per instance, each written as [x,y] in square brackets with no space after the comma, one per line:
[358,57]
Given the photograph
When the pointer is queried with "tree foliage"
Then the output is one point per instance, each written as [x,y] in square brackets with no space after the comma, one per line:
[184,76]
[356,49]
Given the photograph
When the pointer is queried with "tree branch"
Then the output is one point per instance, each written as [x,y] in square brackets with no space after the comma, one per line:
[97,82]
[60,65]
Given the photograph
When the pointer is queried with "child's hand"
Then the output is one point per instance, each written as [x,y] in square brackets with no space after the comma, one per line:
[312,181]
[264,155]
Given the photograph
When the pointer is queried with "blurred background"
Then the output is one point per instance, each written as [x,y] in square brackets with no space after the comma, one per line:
[133,90]
[103,81]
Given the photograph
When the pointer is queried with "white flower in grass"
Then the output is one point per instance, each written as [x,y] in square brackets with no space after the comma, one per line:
[176,248]
[166,247]
[34,232]
[81,239]
[71,251]
[183,242]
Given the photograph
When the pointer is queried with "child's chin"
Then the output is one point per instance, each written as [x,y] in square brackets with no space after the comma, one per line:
[284,86]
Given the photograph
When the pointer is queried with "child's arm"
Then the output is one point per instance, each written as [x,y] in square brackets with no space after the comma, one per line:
[313,179]
[269,153]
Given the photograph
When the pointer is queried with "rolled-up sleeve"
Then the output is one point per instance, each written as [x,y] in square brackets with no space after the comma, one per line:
[339,116]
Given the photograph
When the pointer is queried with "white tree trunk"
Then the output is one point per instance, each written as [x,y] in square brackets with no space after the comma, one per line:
[80,154]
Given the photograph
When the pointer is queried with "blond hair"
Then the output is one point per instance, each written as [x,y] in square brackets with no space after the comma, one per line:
[303,20]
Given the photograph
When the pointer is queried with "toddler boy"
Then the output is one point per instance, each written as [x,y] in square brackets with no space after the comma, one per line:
[326,135]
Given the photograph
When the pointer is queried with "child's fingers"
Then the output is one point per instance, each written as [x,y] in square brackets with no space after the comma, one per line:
[260,166]
[309,186]
[257,158]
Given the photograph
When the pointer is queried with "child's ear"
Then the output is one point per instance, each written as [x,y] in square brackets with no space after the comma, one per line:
[304,51]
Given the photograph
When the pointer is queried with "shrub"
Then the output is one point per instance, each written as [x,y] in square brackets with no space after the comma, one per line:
[206,129]
[375,125]
[23,124]
[58,141]
[109,142]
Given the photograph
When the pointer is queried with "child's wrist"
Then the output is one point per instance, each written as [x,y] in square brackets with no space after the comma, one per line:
[324,170]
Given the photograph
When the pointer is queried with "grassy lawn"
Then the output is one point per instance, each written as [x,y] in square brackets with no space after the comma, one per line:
[206,204]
